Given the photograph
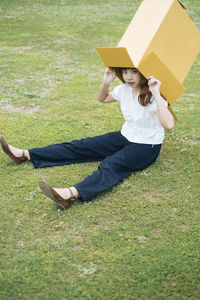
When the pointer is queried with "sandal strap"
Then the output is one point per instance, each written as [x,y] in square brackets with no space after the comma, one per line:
[72,197]
[23,157]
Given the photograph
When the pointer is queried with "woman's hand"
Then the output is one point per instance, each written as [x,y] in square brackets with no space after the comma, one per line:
[104,96]
[109,76]
[154,85]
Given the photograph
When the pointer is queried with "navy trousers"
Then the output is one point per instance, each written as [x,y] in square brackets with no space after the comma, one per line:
[119,158]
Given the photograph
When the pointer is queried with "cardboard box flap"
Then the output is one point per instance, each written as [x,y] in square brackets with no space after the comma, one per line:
[182,5]
[171,88]
[173,113]
[115,57]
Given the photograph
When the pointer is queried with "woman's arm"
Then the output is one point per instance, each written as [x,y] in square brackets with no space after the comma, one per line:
[164,116]
[104,96]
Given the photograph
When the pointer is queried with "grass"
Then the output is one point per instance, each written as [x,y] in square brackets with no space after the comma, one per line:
[139,240]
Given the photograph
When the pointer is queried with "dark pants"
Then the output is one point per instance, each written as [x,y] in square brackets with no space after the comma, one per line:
[119,159]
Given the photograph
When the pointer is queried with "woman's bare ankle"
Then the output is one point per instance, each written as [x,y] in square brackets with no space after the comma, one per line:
[26,153]
[75,192]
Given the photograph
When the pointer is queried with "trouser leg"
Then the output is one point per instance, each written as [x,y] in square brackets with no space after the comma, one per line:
[117,167]
[78,151]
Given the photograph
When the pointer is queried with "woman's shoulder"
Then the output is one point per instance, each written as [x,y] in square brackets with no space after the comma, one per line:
[119,91]
[122,87]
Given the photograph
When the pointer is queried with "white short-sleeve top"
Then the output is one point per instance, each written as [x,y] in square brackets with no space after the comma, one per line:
[141,122]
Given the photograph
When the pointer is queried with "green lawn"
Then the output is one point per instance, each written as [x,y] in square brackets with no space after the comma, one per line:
[139,240]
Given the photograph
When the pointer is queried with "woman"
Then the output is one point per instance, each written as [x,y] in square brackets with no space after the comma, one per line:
[134,148]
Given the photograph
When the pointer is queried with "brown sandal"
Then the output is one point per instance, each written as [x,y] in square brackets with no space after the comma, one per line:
[14,159]
[52,194]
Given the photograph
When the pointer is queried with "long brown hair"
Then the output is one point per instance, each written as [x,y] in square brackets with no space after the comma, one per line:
[145,96]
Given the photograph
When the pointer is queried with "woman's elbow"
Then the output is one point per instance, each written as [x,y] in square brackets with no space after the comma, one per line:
[169,125]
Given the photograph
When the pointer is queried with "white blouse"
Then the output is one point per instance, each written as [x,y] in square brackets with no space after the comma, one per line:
[141,122]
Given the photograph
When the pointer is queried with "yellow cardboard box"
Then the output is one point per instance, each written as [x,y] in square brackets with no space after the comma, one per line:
[162,41]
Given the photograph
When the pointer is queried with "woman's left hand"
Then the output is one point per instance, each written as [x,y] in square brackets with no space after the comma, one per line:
[154,85]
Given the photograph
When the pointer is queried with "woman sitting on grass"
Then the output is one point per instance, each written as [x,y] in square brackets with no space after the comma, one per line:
[133,148]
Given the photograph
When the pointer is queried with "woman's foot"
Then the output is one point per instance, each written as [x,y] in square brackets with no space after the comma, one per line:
[62,197]
[17,156]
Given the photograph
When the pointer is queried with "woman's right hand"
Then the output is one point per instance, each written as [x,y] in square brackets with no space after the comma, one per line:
[109,76]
